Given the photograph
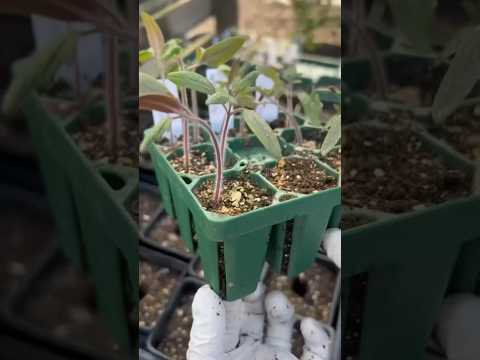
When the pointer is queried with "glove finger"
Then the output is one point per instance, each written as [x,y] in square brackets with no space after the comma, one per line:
[280,315]
[317,340]
[332,243]
[244,352]
[207,336]
[254,315]
[234,315]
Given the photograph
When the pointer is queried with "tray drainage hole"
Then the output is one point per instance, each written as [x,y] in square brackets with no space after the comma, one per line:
[115,181]
[186,180]
[300,286]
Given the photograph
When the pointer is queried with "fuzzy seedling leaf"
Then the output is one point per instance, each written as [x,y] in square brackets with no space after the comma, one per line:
[155,133]
[333,136]
[240,85]
[246,101]
[37,71]
[223,51]
[462,75]
[154,34]
[221,97]
[313,108]
[264,132]
[164,103]
[192,80]
[145,56]
[148,85]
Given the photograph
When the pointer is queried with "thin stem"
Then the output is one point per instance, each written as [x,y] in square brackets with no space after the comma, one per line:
[185,128]
[224,134]
[196,127]
[112,94]
[218,160]
[378,67]
[291,118]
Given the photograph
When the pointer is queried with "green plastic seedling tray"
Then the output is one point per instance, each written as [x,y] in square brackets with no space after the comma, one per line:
[234,249]
[410,260]
[88,201]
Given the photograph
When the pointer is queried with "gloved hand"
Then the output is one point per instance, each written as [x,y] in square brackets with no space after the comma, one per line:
[236,330]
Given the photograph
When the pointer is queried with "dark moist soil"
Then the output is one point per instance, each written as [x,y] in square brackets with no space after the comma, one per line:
[239,196]
[147,206]
[311,293]
[26,235]
[62,304]
[462,132]
[166,234]
[394,171]
[350,221]
[157,285]
[199,164]
[91,139]
[175,345]
[299,175]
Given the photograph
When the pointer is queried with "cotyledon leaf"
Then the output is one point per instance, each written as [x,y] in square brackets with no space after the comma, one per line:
[154,34]
[223,51]
[192,80]
[148,85]
[264,132]
[154,133]
[333,136]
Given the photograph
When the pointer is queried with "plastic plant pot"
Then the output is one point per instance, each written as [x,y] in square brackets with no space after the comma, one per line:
[162,260]
[86,198]
[396,254]
[225,244]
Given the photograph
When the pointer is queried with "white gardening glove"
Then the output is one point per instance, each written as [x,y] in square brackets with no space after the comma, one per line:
[458,328]
[332,243]
[224,330]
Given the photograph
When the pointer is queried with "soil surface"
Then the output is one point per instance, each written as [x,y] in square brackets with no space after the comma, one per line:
[462,132]
[175,344]
[350,221]
[239,196]
[165,232]
[392,170]
[148,204]
[311,293]
[157,285]
[62,303]
[290,175]
[199,164]
[91,139]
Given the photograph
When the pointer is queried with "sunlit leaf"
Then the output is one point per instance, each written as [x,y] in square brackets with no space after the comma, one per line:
[263,131]
[148,85]
[240,85]
[246,101]
[155,133]
[334,134]
[36,72]
[223,51]
[221,97]
[145,56]
[154,34]
[192,80]
[163,103]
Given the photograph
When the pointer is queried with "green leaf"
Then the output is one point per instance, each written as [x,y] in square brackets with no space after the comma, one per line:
[333,135]
[145,56]
[240,85]
[269,71]
[37,71]
[172,49]
[246,101]
[223,51]
[461,77]
[154,34]
[312,107]
[148,85]
[221,97]
[192,80]
[155,133]
[263,131]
